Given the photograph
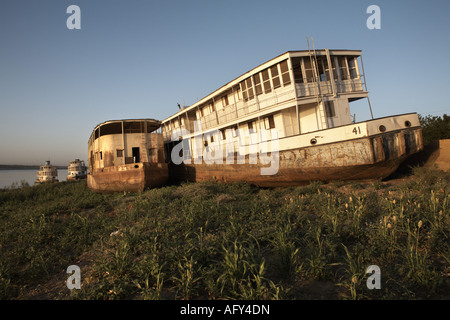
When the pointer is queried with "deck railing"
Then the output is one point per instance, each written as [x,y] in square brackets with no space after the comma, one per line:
[242,108]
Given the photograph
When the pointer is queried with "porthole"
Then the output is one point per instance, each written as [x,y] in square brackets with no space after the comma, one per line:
[136,166]
[382,128]
[313,141]
[407,123]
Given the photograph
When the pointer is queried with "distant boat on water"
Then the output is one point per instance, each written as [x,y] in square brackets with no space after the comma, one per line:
[76,170]
[47,173]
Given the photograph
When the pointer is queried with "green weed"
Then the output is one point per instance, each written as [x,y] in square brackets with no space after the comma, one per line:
[228,241]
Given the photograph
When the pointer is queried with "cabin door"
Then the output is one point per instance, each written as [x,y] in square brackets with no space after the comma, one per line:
[308,118]
[135,153]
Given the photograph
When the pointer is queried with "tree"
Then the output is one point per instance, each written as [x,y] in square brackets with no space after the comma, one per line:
[435,128]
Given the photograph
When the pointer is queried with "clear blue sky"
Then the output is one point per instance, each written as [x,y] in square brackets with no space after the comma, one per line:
[138,59]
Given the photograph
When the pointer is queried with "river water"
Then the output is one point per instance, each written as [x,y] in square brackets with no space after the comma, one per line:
[8,177]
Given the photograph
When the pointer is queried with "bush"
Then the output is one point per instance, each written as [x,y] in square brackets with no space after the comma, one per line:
[435,128]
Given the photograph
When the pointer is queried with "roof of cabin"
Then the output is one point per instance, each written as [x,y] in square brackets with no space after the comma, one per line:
[157,123]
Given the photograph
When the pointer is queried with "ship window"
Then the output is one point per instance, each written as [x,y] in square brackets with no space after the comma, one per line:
[329,109]
[285,73]
[111,128]
[234,130]
[101,156]
[323,75]
[352,67]
[297,67]
[333,65]
[244,90]
[269,123]
[275,77]
[308,70]
[119,153]
[257,81]
[133,127]
[250,126]
[266,81]
[224,101]
[343,68]
[247,89]
[238,92]
[186,149]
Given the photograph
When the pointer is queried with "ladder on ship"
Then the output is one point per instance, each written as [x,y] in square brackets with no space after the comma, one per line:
[144,149]
[319,97]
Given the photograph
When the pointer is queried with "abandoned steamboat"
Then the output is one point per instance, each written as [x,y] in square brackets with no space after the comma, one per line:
[76,170]
[47,173]
[126,155]
[285,122]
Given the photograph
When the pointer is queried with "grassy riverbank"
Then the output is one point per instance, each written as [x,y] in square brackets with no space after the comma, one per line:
[233,241]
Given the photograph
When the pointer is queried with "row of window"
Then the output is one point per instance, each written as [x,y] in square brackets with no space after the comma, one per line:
[266,81]
[210,108]
[276,76]
[47,173]
[268,123]
[343,68]
[119,153]
[128,127]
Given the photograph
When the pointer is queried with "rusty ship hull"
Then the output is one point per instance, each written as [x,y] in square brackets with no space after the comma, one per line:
[134,177]
[369,158]
[126,155]
[75,178]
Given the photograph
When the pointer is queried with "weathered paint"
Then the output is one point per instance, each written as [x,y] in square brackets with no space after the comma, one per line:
[115,165]
[366,158]
[133,177]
